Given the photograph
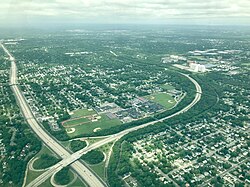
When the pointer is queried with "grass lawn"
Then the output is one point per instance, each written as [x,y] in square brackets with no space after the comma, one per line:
[44,150]
[163,99]
[65,143]
[45,161]
[31,175]
[93,140]
[77,183]
[76,121]
[41,162]
[82,112]
[46,184]
[79,116]
[99,169]
[103,123]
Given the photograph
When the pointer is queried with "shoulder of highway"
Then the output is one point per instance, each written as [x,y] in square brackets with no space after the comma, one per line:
[84,172]
[72,159]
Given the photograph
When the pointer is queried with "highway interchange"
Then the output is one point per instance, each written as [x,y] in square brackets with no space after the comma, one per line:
[85,173]
[73,159]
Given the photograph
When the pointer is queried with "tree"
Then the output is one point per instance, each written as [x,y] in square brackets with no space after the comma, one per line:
[93,157]
[63,176]
[76,145]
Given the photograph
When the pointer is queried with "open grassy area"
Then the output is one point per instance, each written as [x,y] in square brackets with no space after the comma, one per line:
[163,99]
[46,159]
[77,183]
[82,112]
[46,184]
[103,123]
[93,140]
[80,116]
[99,169]
[31,175]
[76,122]
[65,144]
[44,150]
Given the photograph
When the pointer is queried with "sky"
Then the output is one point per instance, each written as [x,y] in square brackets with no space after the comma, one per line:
[40,12]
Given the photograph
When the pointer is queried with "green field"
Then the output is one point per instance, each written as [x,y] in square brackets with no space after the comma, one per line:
[99,169]
[163,99]
[79,116]
[34,174]
[103,123]
[31,175]
[82,112]
[46,158]
[77,183]
[75,122]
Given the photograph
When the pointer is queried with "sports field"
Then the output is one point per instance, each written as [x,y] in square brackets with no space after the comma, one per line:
[103,123]
[85,121]
[79,117]
[82,112]
[77,121]
[163,99]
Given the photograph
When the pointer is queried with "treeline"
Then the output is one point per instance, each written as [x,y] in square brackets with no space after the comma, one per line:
[18,140]
[59,134]
[93,157]
[63,176]
[76,145]
[119,166]
[45,161]
[179,81]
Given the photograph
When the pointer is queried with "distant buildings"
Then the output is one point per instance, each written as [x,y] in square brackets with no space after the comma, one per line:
[173,59]
[196,67]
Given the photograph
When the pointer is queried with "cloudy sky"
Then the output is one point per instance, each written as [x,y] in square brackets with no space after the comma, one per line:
[125,11]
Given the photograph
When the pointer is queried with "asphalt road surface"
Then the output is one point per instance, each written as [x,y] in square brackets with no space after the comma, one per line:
[72,159]
[84,172]
[75,156]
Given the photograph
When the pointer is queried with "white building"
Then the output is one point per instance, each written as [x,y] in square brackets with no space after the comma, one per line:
[197,67]
[201,68]
[194,67]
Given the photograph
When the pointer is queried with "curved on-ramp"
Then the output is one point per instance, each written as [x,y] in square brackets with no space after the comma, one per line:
[77,155]
[84,172]
[72,159]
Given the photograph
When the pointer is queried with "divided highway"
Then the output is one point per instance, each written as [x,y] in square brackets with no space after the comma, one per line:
[72,159]
[75,156]
[85,173]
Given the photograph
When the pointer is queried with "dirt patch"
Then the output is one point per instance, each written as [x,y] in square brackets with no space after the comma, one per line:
[71,130]
[97,129]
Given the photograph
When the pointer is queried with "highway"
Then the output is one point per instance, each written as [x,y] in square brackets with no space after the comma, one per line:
[72,159]
[85,173]
[75,156]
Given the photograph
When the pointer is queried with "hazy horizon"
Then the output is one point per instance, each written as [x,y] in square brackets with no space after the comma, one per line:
[29,13]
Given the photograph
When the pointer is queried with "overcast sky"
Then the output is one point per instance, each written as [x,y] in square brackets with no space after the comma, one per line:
[125,11]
